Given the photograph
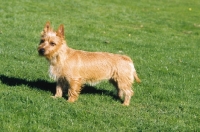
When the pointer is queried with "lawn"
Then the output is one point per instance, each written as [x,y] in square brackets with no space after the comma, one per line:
[162,38]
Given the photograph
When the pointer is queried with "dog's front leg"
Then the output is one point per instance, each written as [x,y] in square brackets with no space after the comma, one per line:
[74,89]
[59,88]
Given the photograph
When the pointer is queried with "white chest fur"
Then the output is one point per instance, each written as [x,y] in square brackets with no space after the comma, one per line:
[54,72]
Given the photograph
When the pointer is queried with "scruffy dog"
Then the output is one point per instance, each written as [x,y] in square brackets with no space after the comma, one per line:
[72,68]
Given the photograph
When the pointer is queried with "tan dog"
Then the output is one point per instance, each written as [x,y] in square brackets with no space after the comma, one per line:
[73,68]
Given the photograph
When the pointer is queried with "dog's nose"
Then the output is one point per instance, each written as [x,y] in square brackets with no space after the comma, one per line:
[41,51]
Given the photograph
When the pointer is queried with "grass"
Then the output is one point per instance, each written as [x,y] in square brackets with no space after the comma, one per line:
[162,37]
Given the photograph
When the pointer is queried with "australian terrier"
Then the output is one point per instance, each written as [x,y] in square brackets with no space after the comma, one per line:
[72,68]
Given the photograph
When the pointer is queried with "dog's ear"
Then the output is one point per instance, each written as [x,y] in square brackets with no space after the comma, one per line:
[60,31]
[47,27]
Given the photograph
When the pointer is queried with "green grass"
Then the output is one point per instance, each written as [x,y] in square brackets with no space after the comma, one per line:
[162,37]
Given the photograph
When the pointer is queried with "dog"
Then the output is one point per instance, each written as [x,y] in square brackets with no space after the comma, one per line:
[73,68]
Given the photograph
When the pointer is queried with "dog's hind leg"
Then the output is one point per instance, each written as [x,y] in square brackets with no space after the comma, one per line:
[125,90]
[74,89]
[128,93]
[119,91]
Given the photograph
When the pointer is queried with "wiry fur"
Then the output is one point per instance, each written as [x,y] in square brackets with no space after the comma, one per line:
[72,68]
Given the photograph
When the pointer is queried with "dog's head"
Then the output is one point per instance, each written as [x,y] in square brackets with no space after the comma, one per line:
[51,41]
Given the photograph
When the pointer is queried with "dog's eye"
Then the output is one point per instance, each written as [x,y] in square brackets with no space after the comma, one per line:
[41,41]
[52,43]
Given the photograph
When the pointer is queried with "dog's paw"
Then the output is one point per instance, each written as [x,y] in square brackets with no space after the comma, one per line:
[71,99]
[53,97]
[125,104]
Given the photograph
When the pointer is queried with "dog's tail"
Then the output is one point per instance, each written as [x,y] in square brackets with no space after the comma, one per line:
[136,77]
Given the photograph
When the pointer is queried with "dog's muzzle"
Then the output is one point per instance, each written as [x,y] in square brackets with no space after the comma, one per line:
[41,51]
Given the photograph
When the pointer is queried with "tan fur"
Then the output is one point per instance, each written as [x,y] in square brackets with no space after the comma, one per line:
[72,68]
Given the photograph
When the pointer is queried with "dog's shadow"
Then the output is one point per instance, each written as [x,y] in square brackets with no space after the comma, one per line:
[50,86]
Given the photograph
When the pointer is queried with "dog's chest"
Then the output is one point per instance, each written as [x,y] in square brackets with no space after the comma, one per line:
[55,72]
